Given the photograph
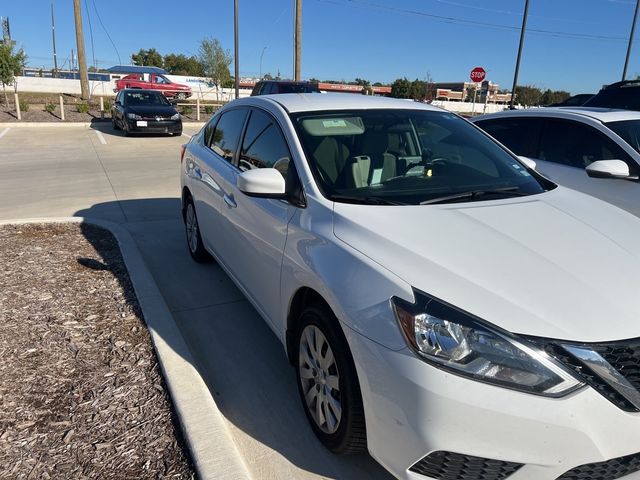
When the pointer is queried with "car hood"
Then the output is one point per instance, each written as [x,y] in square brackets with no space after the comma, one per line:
[152,111]
[559,265]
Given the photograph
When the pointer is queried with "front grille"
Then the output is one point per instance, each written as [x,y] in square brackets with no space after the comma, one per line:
[591,378]
[454,466]
[624,357]
[609,470]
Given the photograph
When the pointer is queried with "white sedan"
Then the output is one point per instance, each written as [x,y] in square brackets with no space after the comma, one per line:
[445,306]
[593,150]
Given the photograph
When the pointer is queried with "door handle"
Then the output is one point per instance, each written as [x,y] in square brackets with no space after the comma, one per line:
[231,203]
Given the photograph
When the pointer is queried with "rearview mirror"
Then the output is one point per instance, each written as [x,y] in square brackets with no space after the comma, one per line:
[262,182]
[608,169]
[528,162]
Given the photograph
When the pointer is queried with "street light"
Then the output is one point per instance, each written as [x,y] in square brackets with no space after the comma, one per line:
[263,49]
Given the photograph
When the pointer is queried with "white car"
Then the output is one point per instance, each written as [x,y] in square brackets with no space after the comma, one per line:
[445,306]
[593,150]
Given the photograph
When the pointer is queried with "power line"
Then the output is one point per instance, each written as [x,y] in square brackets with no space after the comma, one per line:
[105,31]
[93,50]
[476,23]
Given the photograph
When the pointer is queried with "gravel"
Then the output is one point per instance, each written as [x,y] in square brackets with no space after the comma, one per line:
[81,393]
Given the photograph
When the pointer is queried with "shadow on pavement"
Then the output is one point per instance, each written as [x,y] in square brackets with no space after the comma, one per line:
[241,360]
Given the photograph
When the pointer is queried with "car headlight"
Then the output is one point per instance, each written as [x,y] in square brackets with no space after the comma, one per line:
[134,116]
[460,343]
[175,117]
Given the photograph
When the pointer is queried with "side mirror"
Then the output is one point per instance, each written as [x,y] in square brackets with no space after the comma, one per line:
[262,182]
[528,162]
[608,169]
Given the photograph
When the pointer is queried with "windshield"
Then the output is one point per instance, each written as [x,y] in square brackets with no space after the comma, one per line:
[297,88]
[408,157]
[629,131]
[145,98]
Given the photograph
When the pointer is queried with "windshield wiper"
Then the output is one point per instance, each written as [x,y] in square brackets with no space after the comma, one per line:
[512,191]
[365,200]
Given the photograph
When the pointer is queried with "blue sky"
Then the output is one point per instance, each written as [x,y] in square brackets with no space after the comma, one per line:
[575,45]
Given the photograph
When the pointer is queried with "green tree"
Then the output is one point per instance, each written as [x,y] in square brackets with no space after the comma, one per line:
[148,58]
[528,95]
[418,90]
[179,64]
[401,88]
[11,64]
[215,61]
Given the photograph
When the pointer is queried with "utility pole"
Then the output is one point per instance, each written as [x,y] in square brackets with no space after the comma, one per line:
[297,41]
[522,31]
[633,30]
[53,34]
[82,61]
[235,32]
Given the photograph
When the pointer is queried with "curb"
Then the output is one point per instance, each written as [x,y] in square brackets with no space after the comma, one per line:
[212,449]
[62,124]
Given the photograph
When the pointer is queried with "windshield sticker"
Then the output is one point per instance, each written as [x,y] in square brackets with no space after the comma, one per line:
[334,123]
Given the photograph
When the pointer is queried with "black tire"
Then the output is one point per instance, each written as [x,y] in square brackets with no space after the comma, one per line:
[350,436]
[181,96]
[114,123]
[195,245]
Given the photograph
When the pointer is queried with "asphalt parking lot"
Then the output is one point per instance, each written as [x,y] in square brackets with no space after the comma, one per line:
[134,181]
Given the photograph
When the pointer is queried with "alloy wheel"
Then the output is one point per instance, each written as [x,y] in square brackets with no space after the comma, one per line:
[191,225]
[320,379]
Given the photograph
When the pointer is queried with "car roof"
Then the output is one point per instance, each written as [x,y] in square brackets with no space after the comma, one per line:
[603,115]
[312,102]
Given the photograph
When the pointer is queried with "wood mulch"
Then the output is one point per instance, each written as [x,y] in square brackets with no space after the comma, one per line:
[81,392]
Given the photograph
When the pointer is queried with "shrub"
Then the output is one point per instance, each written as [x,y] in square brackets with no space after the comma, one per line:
[82,107]
[208,109]
[186,110]
[24,106]
[107,105]
[49,107]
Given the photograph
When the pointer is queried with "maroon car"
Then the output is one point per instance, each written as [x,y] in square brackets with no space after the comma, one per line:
[154,81]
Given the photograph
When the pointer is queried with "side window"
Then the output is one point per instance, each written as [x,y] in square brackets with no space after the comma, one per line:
[225,137]
[263,145]
[576,145]
[520,135]
[208,130]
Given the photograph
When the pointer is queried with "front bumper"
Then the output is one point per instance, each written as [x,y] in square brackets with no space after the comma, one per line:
[155,126]
[413,409]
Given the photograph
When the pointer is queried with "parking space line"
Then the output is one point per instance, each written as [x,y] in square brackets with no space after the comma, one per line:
[101,137]
[4,132]
[185,135]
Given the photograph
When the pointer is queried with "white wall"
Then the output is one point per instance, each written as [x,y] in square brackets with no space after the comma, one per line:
[468,107]
[199,86]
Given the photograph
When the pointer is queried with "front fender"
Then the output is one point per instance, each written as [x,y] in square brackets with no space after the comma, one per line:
[356,288]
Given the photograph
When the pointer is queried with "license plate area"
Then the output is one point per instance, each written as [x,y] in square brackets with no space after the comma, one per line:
[141,123]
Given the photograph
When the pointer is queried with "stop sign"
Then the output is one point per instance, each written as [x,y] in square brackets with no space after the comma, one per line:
[478,74]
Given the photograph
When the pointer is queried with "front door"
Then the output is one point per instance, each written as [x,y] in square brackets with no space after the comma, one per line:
[254,230]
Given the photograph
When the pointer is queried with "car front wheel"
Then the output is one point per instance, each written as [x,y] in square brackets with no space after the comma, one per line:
[328,383]
[194,239]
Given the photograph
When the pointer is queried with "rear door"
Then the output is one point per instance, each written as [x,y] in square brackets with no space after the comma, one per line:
[254,230]
[213,158]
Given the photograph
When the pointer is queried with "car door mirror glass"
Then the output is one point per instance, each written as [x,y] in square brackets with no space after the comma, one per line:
[608,169]
[262,182]
[529,163]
